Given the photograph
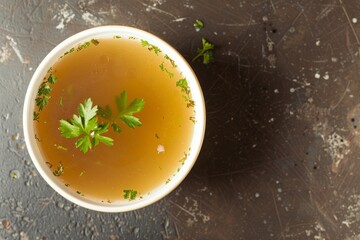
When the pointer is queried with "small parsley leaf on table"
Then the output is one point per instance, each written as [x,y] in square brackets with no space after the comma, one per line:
[198,25]
[86,126]
[206,52]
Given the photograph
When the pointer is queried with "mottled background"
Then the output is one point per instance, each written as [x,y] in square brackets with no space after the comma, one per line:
[281,153]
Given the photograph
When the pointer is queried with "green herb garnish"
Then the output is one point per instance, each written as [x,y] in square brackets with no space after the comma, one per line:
[59,170]
[205,52]
[130,194]
[164,69]
[124,113]
[150,47]
[36,116]
[183,84]
[95,42]
[198,25]
[170,60]
[43,94]
[86,127]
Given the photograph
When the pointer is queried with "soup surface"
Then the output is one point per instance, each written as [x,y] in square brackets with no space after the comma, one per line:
[140,159]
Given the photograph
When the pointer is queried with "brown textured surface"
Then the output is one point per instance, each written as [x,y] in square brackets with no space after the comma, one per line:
[281,154]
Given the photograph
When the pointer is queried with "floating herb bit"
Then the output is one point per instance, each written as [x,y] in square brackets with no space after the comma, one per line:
[150,47]
[130,194]
[95,42]
[43,94]
[59,170]
[37,138]
[164,69]
[52,79]
[206,52]
[198,25]
[170,60]
[49,164]
[36,116]
[183,84]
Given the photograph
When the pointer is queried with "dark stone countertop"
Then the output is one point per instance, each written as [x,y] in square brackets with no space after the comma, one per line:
[281,156]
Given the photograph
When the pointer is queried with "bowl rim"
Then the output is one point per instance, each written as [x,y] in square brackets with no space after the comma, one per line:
[53,56]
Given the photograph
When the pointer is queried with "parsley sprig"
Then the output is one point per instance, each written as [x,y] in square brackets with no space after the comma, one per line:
[86,126]
[206,51]
[124,112]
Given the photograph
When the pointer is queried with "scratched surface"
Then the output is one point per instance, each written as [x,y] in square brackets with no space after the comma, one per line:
[281,155]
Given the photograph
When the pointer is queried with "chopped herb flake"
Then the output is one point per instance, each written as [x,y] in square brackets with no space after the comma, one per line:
[95,42]
[150,47]
[37,138]
[36,116]
[170,60]
[60,147]
[59,170]
[130,194]
[183,84]
[164,69]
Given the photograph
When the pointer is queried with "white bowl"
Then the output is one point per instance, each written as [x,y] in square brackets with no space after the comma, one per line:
[29,104]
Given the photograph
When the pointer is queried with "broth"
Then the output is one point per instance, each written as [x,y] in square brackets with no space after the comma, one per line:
[140,159]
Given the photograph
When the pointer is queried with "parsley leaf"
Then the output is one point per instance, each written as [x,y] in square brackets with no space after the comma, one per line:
[198,25]
[124,112]
[130,194]
[86,127]
[206,52]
